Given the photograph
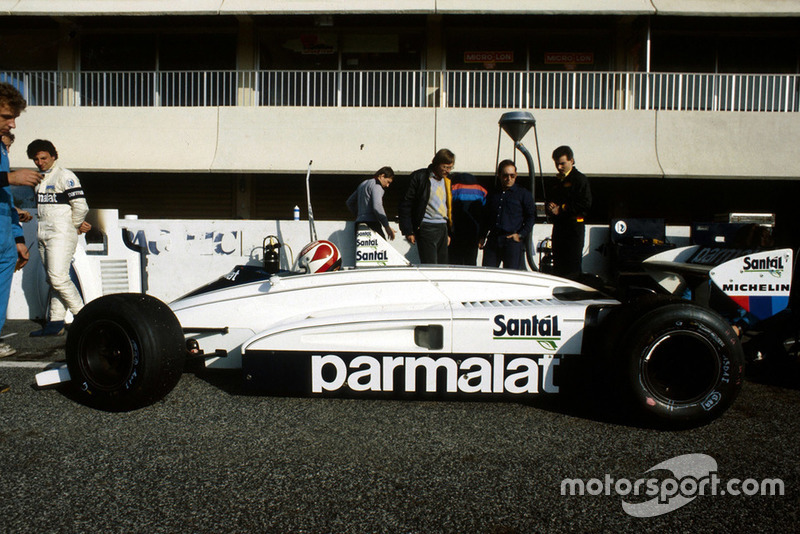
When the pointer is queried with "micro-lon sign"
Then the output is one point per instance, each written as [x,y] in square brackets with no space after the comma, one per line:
[489,57]
[569,58]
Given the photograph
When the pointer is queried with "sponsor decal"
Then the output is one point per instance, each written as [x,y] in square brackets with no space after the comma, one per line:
[374,255]
[759,282]
[544,331]
[204,243]
[51,198]
[751,288]
[474,374]
[75,193]
[771,265]
[369,250]
[364,239]
[715,256]
[712,399]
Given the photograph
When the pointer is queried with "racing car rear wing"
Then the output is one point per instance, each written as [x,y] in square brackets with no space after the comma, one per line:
[759,282]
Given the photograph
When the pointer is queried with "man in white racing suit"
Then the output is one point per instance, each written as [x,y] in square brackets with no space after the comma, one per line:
[62,209]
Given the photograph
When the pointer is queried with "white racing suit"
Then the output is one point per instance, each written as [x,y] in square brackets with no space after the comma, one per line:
[62,208]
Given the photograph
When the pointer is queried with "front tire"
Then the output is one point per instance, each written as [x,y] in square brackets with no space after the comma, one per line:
[682,365]
[124,351]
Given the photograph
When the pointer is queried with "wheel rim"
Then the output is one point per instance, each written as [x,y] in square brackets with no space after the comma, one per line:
[107,355]
[680,367]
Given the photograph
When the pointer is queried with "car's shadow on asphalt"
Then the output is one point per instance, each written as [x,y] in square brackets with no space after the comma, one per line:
[233,383]
[590,407]
[783,374]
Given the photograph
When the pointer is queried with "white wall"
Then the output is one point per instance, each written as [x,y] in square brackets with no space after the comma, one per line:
[730,7]
[239,7]
[359,140]
[339,140]
[728,144]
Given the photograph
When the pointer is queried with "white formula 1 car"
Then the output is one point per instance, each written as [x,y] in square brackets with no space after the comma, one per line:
[423,331]
[426,331]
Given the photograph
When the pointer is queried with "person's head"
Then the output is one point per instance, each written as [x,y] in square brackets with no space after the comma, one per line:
[43,153]
[564,159]
[12,104]
[443,162]
[507,174]
[8,139]
[384,176]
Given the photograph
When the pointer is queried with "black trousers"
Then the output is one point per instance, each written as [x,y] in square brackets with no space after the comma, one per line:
[432,243]
[463,252]
[568,240]
[502,249]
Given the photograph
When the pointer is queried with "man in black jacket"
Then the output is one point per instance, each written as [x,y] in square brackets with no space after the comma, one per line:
[508,219]
[426,209]
[569,200]
[469,199]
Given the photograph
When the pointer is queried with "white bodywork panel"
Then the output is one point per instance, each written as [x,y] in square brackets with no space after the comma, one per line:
[477,310]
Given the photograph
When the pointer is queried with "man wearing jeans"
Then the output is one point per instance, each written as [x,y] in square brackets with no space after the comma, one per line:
[426,209]
[508,220]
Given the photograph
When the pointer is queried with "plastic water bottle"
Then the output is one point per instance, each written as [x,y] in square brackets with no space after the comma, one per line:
[297,213]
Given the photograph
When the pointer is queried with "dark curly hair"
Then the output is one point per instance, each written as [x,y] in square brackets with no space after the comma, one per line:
[41,145]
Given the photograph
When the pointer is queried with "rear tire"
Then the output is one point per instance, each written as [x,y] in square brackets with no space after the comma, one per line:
[124,351]
[682,365]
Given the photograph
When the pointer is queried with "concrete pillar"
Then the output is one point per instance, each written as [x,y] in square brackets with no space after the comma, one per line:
[246,58]
[435,59]
[68,63]
[629,56]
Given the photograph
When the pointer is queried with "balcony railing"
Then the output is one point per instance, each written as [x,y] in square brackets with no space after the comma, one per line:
[415,89]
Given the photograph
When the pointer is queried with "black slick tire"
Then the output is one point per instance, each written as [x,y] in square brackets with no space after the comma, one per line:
[124,351]
[682,365]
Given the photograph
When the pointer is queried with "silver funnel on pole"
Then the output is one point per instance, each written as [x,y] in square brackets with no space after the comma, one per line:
[517,124]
